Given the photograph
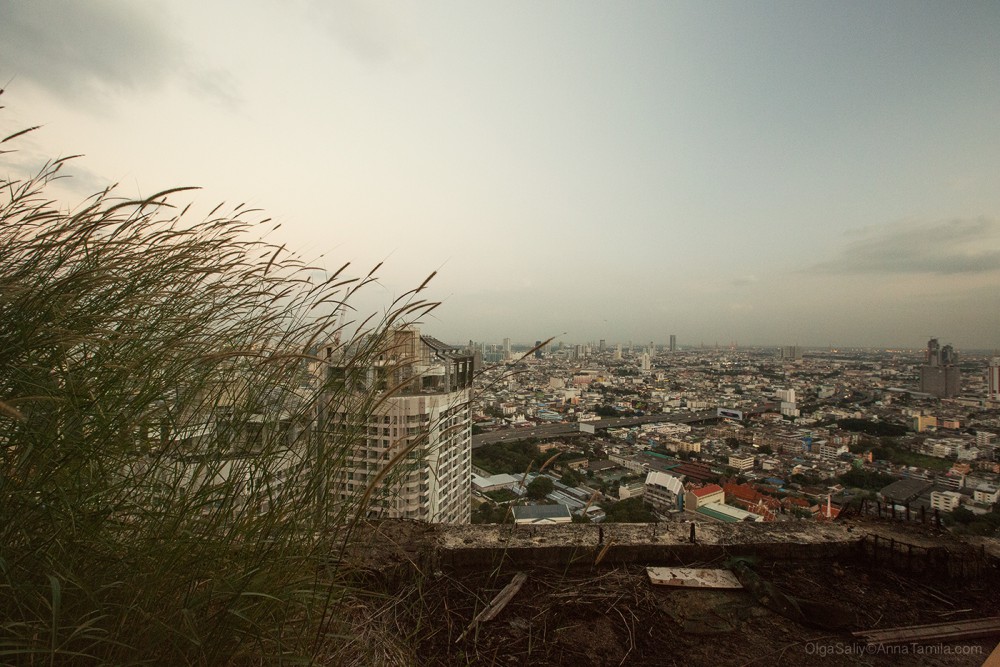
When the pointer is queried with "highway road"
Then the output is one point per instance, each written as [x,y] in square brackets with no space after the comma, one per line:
[573,429]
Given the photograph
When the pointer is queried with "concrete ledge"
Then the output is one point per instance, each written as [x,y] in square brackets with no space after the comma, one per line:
[398,549]
[463,548]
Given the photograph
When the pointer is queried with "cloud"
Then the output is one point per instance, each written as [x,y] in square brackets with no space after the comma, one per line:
[949,247]
[744,281]
[26,158]
[364,29]
[81,50]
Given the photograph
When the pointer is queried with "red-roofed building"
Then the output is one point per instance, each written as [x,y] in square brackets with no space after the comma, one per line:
[705,495]
[746,497]
[796,503]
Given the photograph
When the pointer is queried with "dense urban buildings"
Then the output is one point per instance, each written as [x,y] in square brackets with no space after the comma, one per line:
[783,441]
[705,435]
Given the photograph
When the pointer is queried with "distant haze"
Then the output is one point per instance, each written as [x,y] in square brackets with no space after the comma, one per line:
[767,173]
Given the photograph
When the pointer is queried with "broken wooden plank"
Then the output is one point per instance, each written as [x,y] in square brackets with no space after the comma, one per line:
[976,628]
[497,604]
[994,658]
[688,577]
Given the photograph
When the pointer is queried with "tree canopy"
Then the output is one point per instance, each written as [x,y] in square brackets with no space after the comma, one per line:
[540,487]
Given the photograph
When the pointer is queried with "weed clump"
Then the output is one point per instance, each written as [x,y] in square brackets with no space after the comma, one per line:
[164,485]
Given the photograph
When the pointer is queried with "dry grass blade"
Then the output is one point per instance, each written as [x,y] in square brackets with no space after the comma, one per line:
[163,387]
[603,552]
[19,133]
[549,461]
[10,411]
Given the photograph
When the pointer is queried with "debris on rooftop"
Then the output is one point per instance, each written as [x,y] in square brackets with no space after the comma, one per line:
[689,577]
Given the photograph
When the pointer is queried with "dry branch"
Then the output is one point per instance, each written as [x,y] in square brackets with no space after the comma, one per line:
[497,604]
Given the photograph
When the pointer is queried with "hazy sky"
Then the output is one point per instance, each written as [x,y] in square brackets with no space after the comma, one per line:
[761,172]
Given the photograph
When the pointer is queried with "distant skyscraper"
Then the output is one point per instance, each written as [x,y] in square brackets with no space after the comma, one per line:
[644,362]
[940,375]
[618,352]
[933,354]
[602,346]
[993,380]
[538,349]
[673,343]
[787,395]
[948,356]
[791,353]
[506,348]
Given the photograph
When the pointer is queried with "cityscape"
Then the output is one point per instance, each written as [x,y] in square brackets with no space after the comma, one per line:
[631,432]
[369,333]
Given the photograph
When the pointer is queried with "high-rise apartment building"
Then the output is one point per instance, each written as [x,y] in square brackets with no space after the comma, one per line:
[602,346]
[940,375]
[673,343]
[993,380]
[644,362]
[426,413]
[791,353]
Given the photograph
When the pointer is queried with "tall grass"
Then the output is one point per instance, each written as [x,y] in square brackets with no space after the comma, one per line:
[164,488]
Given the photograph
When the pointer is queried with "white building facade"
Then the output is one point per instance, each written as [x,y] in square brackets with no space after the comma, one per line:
[424,424]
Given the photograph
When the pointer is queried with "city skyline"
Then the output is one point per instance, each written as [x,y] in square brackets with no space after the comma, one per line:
[637,347]
[780,174]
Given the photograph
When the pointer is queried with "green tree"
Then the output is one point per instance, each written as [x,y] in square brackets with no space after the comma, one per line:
[869,427]
[630,510]
[865,479]
[540,487]
[963,515]
[490,513]
[569,478]
[511,458]
[494,411]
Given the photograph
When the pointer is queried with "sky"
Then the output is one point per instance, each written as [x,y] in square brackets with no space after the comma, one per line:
[760,173]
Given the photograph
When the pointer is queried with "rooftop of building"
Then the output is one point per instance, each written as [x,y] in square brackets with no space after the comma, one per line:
[905,489]
[586,598]
[707,490]
[541,512]
[726,513]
